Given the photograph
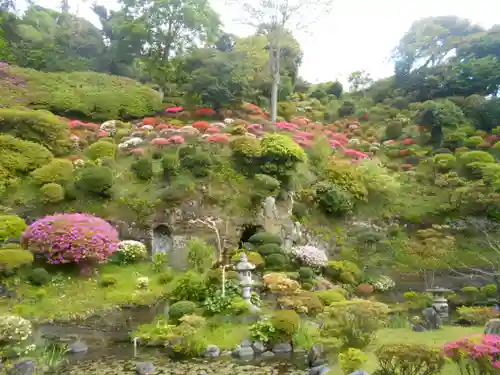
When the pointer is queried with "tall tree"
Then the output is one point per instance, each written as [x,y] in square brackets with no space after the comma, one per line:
[359,81]
[431,41]
[274,18]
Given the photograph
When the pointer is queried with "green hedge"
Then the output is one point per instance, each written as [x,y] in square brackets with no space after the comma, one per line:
[37,126]
[89,95]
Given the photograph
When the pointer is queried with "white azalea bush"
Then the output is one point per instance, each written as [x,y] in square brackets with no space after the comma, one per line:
[14,334]
[132,251]
[384,284]
[310,256]
[142,282]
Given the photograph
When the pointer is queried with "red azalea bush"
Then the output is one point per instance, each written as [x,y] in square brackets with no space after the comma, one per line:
[218,138]
[212,130]
[160,141]
[71,238]
[365,289]
[475,355]
[149,121]
[205,112]
[162,126]
[408,141]
[404,152]
[201,125]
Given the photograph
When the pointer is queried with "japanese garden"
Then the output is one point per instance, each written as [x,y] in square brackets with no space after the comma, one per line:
[175,199]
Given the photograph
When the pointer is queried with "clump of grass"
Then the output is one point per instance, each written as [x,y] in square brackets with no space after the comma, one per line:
[225,335]
[53,357]
[306,336]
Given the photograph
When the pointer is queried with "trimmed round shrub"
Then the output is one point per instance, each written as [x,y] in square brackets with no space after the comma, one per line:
[470,157]
[394,130]
[347,108]
[263,238]
[101,149]
[170,164]
[19,157]
[473,141]
[57,171]
[286,322]
[198,162]
[72,238]
[143,168]
[190,286]
[276,262]
[39,276]
[166,276]
[306,273]
[106,281]
[268,249]
[95,180]
[333,200]
[344,272]
[253,257]
[181,308]
[41,127]
[132,251]
[11,226]
[489,290]
[327,297]
[444,162]
[11,259]
[394,359]
[52,193]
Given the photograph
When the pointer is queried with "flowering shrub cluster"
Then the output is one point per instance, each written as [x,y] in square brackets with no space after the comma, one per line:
[132,251]
[475,355]
[71,238]
[384,284]
[14,329]
[310,256]
[279,283]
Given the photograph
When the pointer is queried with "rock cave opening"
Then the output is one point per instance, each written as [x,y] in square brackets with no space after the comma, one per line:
[248,231]
[162,239]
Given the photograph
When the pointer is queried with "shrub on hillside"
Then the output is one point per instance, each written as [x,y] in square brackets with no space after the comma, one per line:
[347,108]
[354,322]
[11,226]
[181,308]
[352,360]
[344,272]
[95,180]
[280,156]
[52,193]
[477,315]
[276,262]
[13,258]
[132,251]
[285,322]
[306,274]
[394,130]
[14,330]
[444,162]
[143,168]
[18,156]
[71,238]
[39,276]
[310,256]
[246,152]
[87,94]
[414,359]
[280,284]
[101,149]
[442,112]
[303,303]
[190,286]
[327,297]
[58,171]
[347,177]
[264,238]
[268,249]
[170,165]
[474,161]
[474,141]
[37,126]
[253,257]
[332,199]
[196,161]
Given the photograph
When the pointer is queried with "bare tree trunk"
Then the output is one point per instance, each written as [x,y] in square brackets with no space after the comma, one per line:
[496,278]
[274,61]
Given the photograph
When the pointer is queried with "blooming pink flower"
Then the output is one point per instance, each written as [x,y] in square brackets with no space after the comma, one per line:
[160,141]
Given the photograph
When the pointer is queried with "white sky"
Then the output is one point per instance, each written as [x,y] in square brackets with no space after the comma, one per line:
[358,34]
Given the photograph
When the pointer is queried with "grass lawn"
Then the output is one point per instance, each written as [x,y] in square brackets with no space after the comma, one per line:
[69,297]
[405,335]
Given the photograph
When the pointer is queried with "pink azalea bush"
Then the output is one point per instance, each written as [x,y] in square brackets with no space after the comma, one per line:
[310,256]
[476,355]
[71,238]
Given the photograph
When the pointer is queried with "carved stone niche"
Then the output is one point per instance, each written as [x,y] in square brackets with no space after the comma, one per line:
[161,241]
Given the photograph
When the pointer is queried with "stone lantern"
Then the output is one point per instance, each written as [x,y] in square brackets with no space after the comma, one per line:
[245,269]
[440,302]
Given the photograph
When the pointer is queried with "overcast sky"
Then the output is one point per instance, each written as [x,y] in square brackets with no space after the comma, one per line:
[357,35]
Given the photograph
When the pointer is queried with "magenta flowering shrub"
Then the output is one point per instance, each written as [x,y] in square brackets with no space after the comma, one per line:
[476,355]
[71,238]
[310,256]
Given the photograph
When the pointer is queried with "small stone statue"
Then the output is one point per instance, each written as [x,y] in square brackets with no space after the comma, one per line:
[432,318]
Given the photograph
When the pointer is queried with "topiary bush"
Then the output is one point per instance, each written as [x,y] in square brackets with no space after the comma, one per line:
[276,262]
[264,238]
[143,168]
[327,297]
[52,193]
[343,272]
[190,286]
[39,276]
[309,256]
[170,165]
[414,359]
[444,162]
[352,360]
[101,149]
[41,127]
[253,257]
[196,161]
[95,180]
[347,177]
[285,322]
[246,153]
[306,274]
[268,249]
[302,302]
[354,322]
[333,200]
[58,171]
[181,308]
[11,226]
[13,258]
[72,238]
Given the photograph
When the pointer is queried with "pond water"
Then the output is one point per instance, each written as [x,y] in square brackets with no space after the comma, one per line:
[120,359]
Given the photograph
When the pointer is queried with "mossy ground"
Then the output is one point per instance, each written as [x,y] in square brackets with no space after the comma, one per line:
[69,296]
